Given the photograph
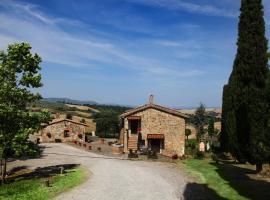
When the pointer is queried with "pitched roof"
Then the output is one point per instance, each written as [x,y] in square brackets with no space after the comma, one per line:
[156,107]
[55,121]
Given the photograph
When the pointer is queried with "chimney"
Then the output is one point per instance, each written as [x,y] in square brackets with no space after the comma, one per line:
[151,99]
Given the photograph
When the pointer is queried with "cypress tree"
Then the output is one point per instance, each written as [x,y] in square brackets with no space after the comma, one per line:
[224,140]
[244,118]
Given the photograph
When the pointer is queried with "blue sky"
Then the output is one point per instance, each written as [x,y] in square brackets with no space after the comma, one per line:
[121,51]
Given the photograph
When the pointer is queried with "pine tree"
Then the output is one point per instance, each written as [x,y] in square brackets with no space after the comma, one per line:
[244,117]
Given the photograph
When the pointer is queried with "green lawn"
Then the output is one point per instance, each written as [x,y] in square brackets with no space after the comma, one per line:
[217,178]
[35,189]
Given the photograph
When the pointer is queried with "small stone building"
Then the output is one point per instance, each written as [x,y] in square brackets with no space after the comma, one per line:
[154,127]
[62,130]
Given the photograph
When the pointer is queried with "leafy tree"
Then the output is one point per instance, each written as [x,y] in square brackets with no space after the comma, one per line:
[200,120]
[244,106]
[69,116]
[211,127]
[107,123]
[83,121]
[187,133]
[19,74]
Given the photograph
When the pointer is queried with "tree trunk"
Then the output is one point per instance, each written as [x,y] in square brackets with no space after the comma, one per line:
[258,167]
[4,171]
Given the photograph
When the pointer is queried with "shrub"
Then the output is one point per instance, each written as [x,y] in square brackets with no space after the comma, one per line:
[199,155]
[174,157]
[69,116]
[191,146]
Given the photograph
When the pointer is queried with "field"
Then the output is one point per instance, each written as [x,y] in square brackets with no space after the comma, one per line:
[80,107]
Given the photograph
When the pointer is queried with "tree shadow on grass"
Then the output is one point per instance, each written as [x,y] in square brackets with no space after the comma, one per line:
[40,172]
[244,181]
[196,191]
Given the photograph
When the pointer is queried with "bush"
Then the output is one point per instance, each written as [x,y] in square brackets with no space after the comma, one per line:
[69,116]
[191,146]
[216,147]
[199,155]
[83,121]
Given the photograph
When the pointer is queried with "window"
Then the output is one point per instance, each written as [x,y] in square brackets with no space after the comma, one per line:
[66,133]
[49,135]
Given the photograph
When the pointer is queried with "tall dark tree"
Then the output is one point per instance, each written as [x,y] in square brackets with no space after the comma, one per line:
[224,140]
[244,113]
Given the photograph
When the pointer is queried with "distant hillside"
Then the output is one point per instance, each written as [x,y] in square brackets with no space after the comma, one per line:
[70,101]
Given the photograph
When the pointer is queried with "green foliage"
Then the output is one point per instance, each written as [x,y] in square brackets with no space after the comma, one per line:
[191,146]
[199,120]
[53,106]
[244,115]
[68,116]
[34,189]
[187,132]
[19,74]
[115,108]
[83,121]
[107,123]
[211,127]
[199,155]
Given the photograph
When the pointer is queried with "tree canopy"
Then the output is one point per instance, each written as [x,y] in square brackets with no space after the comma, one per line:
[244,105]
[19,75]
[199,120]
[107,123]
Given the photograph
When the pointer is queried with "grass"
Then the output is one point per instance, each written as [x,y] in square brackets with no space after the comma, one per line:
[206,173]
[35,189]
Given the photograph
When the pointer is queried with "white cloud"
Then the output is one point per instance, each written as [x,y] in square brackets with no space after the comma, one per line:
[163,71]
[58,46]
[189,7]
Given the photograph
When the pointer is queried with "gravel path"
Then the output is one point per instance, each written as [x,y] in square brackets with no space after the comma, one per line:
[116,179]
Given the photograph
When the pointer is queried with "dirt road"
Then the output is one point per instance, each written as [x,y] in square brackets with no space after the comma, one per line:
[116,179]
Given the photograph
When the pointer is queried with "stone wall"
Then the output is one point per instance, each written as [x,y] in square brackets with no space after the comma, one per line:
[158,122]
[55,131]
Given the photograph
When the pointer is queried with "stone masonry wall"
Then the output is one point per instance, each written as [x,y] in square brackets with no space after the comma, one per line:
[157,122]
[56,131]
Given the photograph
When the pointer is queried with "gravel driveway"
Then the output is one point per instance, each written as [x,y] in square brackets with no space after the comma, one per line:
[114,178]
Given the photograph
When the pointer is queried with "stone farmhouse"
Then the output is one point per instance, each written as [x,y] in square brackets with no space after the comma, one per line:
[61,130]
[154,127]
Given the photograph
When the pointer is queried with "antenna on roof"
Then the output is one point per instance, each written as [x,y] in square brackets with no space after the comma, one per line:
[151,99]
